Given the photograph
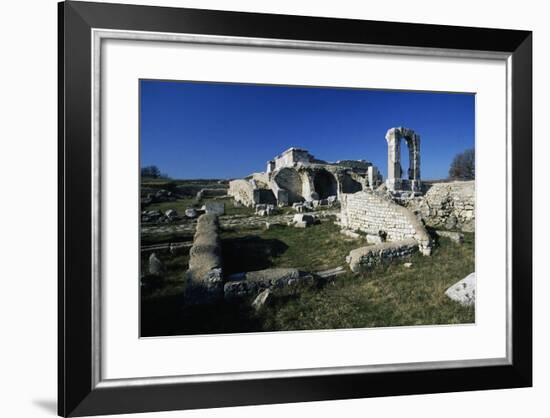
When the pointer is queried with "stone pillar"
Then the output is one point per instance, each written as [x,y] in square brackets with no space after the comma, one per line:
[270,166]
[308,188]
[393,138]
[415,163]
[372,177]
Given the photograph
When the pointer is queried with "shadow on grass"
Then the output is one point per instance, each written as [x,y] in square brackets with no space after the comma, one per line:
[167,315]
[250,253]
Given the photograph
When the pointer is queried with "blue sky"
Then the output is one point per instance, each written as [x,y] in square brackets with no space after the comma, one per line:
[218,130]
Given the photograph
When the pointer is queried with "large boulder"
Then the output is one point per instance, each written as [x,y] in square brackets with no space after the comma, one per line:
[464,291]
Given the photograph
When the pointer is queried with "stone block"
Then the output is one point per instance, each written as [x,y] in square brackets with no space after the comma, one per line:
[464,291]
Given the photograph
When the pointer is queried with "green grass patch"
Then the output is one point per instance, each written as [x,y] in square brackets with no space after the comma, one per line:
[389,295]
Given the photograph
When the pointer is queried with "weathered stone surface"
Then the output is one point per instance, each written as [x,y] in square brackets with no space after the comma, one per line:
[191,212]
[211,192]
[156,267]
[296,176]
[365,258]
[262,299]
[152,216]
[206,289]
[394,181]
[456,237]
[282,280]
[350,234]
[464,291]
[447,205]
[216,208]
[242,191]
[204,278]
[331,273]
[263,209]
[374,215]
[303,218]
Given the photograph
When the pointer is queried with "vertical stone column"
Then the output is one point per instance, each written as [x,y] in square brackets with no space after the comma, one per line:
[393,138]
[308,188]
[415,163]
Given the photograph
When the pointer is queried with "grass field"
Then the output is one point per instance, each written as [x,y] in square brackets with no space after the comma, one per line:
[390,295]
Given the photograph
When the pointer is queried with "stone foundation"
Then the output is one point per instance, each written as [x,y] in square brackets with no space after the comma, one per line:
[280,280]
[365,258]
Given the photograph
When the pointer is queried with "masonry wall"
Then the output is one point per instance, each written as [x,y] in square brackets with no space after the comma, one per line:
[447,206]
[367,212]
[242,191]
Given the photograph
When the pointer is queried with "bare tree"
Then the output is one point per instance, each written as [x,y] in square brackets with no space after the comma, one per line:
[463,166]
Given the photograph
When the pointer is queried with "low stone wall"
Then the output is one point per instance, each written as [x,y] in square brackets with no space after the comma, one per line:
[204,278]
[365,258]
[447,205]
[280,280]
[374,215]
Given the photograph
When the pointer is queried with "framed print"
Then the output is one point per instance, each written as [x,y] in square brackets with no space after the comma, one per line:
[264,208]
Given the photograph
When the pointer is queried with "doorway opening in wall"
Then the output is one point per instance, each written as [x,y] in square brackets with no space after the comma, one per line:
[325,184]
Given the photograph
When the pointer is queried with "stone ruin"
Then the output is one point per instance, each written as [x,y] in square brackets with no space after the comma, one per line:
[391,214]
[395,183]
[297,176]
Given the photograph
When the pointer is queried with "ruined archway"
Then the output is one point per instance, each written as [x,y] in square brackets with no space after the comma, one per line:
[395,182]
[325,184]
[288,179]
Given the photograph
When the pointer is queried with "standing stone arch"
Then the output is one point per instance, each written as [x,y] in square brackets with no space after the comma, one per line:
[395,182]
[289,180]
[325,184]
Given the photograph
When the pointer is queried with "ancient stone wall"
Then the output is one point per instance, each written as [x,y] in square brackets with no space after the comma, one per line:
[291,156]
[369,213]
[288,179]
[242,191]
[204,278]
[447,206]
[366,258]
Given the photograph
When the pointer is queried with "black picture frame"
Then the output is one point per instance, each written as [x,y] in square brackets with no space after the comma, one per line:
[79,395]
